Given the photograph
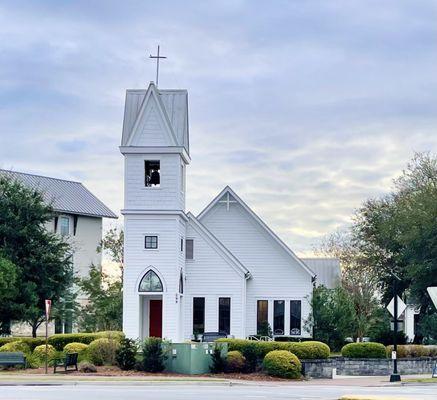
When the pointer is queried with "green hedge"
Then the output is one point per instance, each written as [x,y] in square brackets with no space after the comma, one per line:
[283,364]
[303,350]
[364,350]
[58,341]
[413,350]
[31,342]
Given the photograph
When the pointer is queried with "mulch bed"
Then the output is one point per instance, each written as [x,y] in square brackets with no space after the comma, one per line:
[115,371]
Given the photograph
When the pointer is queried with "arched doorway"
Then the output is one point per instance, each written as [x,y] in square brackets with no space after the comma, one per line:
[150,289]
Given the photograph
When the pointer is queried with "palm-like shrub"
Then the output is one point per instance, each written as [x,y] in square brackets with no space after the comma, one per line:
[153,355]
[283,364]
[125,356]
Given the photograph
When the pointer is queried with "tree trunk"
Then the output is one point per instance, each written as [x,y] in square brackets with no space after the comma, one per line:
[34,328]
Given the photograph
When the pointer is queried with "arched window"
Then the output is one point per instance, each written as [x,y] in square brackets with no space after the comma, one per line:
[181,284]
[150,283]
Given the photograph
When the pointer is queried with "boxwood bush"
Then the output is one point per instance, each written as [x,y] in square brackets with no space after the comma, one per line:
[364,350]
[40,352]
[75,347]
[102,351]
[17,346]
[283,364]
[235,361]
[31,342]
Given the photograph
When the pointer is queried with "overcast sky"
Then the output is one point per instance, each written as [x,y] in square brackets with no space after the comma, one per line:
[305,108]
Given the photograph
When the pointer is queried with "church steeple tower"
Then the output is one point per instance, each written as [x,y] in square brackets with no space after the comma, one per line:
[155,146]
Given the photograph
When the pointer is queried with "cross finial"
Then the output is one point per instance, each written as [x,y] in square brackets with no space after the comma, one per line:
[158,57]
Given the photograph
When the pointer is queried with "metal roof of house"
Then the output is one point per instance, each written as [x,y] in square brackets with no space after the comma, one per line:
[173,102]
[64,196]
[327,270]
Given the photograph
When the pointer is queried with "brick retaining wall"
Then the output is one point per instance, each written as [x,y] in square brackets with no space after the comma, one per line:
[365,366]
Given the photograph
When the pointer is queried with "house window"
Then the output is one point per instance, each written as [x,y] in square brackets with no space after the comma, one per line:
[189,249]
[278,317]
[198,315]
[151,242]
[150,283]
[262,317]
[64,226]
[295,317]
[181,284]
[152,173]
[225,315]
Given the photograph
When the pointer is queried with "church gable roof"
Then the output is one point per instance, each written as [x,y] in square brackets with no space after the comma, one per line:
[228,196]
[170,105]
[210,238]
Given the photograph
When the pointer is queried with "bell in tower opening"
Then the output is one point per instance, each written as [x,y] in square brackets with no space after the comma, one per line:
[152,173]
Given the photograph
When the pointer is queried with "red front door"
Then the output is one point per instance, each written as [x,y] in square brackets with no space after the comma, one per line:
[155,318]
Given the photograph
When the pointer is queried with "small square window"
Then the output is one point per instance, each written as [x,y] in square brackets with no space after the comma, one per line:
[152,173]
[151,242]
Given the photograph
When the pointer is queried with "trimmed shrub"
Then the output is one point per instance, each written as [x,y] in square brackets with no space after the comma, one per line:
[75,347]
[102,351]
[116,335]
[125,356]
[153,355]
[33,361]
[87,367]
[40,352]
[59,340]
[31,342]
[235,361]
[364,350]
[413,350]
[17,346]
[303,350]
[283,364]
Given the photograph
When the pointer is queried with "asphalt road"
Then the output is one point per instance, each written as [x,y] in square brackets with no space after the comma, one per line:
[207,392]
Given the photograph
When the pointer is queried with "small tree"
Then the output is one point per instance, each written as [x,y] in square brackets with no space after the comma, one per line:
[153,355]
[113,245]
[104,310]
[8,291]
[332,318]
[42,259]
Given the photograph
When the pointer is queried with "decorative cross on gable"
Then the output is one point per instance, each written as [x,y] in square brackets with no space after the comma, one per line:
[228,201]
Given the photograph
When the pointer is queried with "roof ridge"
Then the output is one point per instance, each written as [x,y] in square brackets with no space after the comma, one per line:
[40,176]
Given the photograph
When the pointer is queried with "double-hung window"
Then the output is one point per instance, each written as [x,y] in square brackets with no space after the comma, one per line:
[278,317]
[225,315]
[198,315]
[295,317]
[64,226]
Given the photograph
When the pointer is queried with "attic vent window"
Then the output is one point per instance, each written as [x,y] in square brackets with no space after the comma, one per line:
[152,173]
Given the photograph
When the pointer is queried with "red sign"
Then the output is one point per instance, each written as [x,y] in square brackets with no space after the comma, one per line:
[48,307]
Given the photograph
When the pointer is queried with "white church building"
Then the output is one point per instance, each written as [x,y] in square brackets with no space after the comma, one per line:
[223,270]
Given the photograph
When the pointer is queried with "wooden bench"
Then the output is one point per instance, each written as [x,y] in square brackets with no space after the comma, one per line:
[12,359]
[70,360]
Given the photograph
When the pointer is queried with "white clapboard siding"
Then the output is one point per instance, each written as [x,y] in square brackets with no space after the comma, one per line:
[163,260]
[275,274]
[168,196]
[211,276]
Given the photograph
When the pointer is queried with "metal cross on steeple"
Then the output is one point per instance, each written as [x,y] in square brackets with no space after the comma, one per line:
[158,57]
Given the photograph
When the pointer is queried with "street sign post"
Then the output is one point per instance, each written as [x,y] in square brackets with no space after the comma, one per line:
[48,304]
[394,307]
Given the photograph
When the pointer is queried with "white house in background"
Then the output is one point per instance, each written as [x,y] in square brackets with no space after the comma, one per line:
[78,215]
[223,270]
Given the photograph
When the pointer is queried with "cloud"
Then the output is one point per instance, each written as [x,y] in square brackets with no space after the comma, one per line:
[304,108]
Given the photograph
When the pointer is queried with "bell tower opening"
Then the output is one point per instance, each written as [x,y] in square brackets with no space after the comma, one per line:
[152,173]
